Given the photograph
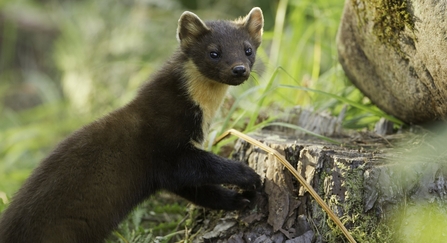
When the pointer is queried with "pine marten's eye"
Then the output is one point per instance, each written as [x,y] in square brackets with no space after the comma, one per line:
[248,52]
[214,55]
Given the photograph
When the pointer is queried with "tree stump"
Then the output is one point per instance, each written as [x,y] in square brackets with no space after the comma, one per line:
[395,52]
[363,182]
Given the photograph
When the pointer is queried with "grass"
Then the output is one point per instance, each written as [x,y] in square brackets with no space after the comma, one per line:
[102,53]
[162,218]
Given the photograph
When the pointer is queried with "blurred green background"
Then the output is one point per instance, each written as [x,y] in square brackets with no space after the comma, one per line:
[64,63]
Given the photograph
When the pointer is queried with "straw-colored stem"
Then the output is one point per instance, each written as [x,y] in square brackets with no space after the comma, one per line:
[295,173]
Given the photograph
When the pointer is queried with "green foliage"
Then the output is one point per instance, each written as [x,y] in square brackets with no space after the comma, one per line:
[158,219]
[299,56]
[420,222]
[300,67]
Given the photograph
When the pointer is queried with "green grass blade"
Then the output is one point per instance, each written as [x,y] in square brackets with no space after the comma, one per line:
[295,127]
[235,106]
[347,101]
[268,88]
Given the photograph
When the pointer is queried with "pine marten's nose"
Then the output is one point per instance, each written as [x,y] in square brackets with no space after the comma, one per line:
[239,70]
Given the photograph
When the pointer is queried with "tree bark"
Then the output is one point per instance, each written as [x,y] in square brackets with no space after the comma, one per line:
[363,182]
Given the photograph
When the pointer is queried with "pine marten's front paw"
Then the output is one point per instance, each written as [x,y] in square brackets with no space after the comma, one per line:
[244,199]
[251,181]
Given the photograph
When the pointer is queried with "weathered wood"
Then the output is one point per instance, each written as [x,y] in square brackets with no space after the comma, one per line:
[362,183]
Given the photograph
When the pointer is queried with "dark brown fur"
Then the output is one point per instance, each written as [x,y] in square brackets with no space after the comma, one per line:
[94,178]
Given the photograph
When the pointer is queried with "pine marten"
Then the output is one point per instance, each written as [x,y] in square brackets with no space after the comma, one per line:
[96,176]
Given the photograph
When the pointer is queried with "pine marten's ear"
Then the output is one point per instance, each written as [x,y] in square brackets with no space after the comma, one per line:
[254,23]
[190,28]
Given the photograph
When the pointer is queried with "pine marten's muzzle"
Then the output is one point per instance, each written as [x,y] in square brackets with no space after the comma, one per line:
[239,71]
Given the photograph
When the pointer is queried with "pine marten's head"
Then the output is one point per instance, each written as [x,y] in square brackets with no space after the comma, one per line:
[223,51]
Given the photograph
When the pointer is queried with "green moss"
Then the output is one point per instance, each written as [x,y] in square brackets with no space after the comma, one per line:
[390,18]
[364,227]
